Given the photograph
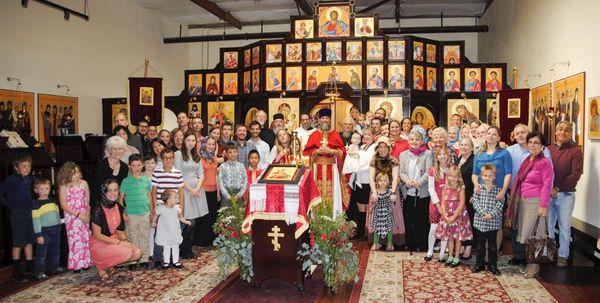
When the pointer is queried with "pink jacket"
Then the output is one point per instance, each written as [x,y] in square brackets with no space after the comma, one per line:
[538,182]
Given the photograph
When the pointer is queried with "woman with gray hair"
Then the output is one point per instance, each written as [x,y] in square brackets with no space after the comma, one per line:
[110,167]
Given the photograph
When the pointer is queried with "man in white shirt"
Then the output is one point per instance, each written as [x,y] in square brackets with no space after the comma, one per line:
[261,146]
[305,129]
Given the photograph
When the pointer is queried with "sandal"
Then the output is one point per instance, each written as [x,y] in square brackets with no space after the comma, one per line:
[103,275]
[376,247]
[389,248]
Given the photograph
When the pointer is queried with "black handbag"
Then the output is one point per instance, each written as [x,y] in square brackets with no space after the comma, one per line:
[540,251]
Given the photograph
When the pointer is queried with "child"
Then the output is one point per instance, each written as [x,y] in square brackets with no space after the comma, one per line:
[455,226]
[46,226]
[253,172]
[15,194]
[437,178]
[231,177]
[361,124]
[383,215]
[150,163]
[74,197]
[135,196]
[487,219]
[168,229]
[352,149]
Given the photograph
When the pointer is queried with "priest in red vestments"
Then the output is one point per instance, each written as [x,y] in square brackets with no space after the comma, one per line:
[327,152]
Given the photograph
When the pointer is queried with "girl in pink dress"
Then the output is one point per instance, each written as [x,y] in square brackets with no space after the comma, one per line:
[455,225]
[437,178]
[74,197]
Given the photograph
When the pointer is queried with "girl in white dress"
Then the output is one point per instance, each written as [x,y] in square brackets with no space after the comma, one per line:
[168,229]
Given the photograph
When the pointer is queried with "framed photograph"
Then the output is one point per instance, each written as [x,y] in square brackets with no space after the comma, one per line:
[293,78]
[418,51]
[493,78]
[273,53]
[431,81]
[53,111]
[364,26]
[219,112]
[230,60]
[514,108]
[256,80]
[423,116]
[333,51]
[540,103]
[212,87]
[354,51]
[256,55]
[594,118]
[293,52]
[314,52]
[568,97]
[375,74]
[418,81]
[146,96]
[333,20]
[17,112]
[468,109]
[194,84]
[247,57]
[392,106]
[472,79]
[492,112]
[452,79]
[451,54]
[194,109]
[396,76]
[396,50]
[374,50]
[247,83]
[230,84]
[273,79]
[303,29]
[289,108]
[431,53]
[282,174]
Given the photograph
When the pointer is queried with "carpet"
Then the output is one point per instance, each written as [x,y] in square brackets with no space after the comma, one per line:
[402,277]
[189,284]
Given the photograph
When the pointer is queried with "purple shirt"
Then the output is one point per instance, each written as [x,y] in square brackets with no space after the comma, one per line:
[538,182]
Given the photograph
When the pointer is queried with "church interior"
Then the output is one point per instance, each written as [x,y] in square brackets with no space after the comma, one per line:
[257,151]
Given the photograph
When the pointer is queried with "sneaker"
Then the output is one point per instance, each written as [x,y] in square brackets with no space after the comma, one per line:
[442,260]
[455,262]
[178,265]
[166,265]
[562,262]
[449,261]
[41,276]
[428,258]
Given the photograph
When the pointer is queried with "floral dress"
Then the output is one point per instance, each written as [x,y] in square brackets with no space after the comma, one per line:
[383,215]
[434,214]
[78,232]
[461,227]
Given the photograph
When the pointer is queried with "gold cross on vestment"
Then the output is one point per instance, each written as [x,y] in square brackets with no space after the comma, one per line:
[276,235]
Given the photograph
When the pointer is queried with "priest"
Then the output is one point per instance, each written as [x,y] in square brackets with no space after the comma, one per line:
[327,152]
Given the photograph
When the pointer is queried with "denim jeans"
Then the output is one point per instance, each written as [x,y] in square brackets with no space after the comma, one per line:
[561,210]
[47,255]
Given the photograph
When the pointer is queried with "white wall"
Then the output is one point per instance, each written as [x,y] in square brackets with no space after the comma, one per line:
[94,58]
[206,54]
[535,34]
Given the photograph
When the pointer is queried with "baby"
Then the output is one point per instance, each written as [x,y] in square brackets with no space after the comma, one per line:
[352,149]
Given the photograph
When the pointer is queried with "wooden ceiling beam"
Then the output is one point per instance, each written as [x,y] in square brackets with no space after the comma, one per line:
[214,9]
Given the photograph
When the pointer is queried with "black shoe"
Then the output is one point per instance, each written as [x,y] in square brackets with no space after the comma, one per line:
[517,262]
[144,265]
[157,264]
[166,265]
[76,271]
[476,269]
[85,269]
[466,258]
[178,265]
[58,270]
[428,258]
[41,276]
[494,270]
[132,267]
[442,260]
[19,279]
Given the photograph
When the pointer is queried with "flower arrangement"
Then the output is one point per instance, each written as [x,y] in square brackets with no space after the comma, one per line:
[330,246]
[234,248]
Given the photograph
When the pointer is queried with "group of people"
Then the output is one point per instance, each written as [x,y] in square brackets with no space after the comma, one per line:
[156,194]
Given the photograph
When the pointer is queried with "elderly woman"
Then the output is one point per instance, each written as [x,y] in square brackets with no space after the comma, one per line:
[111,166]
[124,133]
[414,165]
[108,245]
[357,164]
[465,163]
[439,139]
[530,195]
[399,144]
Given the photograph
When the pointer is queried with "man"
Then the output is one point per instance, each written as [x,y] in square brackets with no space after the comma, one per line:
[457,120]
[376,125]
[261,146]
[327,152]
[567,160]
[347,129]
[243,146]
[142,133]
[305,129]
[266,134]
[226,133]
[196,127]
[182,121]
[381,113]
[135,141]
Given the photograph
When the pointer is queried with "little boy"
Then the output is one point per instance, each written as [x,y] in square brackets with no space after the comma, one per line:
[487,220]
[46,226]
[15,193]
[135,194]
[231,177]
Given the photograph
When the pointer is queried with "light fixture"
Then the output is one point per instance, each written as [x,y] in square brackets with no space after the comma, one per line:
[66,87]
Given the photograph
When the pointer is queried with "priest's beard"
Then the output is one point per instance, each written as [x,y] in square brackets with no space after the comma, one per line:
[325,127]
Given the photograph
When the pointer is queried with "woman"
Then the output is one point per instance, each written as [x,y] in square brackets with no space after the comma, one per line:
[399,144]
[406,127]
[492,153]
[414,165]
[357,164]
[439,139]
[209,162]
[165,136]
[383,162]
[215,133]
[157,147]
[111,166]
[177,139]
[465,163]
[187,160]
[124,133]
[281,153]
[530,195]
[108,245]
[152,132]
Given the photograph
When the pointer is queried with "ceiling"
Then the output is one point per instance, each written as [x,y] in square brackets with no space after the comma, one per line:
[187,12]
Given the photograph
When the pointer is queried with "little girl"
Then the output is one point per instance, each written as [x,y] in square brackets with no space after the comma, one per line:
[168,229]
[354,146]
[455,225]
[437,178]
[74,195]
[383,215]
